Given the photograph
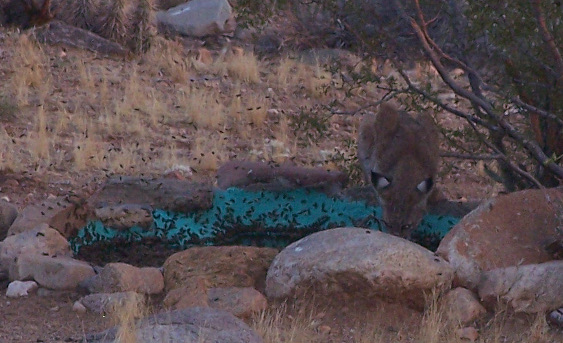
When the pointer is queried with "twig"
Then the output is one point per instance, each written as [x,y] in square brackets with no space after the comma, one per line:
[536,110]
[386,97]
[448,154]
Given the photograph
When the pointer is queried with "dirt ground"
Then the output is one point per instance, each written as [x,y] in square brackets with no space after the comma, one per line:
[48,316]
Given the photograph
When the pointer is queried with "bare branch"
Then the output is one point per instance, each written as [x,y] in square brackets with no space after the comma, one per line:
[449,154]
[536,110]
[386,97]
[548,38]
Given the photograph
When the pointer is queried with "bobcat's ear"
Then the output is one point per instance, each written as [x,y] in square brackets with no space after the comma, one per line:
[386,120]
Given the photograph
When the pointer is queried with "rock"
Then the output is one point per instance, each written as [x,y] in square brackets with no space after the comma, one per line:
[18,289]
[469,333]
[220,266]
[123,217]
[122,277]
[8,213]
[532,288]
[357,263]
[51,272]
[198,18]
[59,213]
[104,303]
[195,324]
[166,194]
[556,318]
[240,301]
[59,33]
[78,307]
[509,230]
[263,176]
[462,306]
[193,294]
[42,240]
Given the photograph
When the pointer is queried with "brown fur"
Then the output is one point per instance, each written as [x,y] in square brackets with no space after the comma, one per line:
[404,150]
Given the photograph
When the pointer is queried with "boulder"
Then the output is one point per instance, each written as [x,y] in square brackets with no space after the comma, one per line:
[122,277]
[59,273]
[193,294]
[348,263]
[509,230]
[219,266]
[462,306]
[8,213]
[533,288]
[41,240]
[257,176]
[198,18]
[63,214]
[166,194]
[195,324]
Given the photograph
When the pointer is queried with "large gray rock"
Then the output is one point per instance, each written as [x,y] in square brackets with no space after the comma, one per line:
[191,325]
[105,303]
[122,277]
[41,240]
[354,262]
[508,230]
[8,213]
[166,194]
[533,288]
[198,18]
[123,217]
[60,273]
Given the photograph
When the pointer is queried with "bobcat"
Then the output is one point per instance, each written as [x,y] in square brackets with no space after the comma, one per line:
[399,157]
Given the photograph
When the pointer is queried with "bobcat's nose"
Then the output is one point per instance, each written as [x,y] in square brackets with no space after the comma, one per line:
[406,230]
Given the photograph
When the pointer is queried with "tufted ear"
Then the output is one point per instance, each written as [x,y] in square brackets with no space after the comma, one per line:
[386,120]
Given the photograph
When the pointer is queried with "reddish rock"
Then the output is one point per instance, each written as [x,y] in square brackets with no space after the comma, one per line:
[240,301]
[220,266]
[462,306]
[510,230]
[62,213]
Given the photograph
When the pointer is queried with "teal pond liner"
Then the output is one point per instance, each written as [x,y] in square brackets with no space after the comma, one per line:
[261,218]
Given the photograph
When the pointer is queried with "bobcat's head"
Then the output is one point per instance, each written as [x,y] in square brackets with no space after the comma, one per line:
[399,157]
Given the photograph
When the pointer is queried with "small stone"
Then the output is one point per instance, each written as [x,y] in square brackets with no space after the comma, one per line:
[470,333]
[556,317]
[78,307]
[18,289]
[324,329]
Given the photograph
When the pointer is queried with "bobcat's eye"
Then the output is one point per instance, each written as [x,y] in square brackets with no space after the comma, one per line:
[425,186]
[380,181]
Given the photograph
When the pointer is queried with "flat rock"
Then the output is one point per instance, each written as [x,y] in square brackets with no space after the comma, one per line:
[256,176]
[533,288]
[122,277]
[195,324]
[352,262]
[198,18]
[104,303]
[8,213]
[57,273]
[41,240]
[123,217]
[59,33]
[166,194]
[219,266]
[509,230]
[61,213]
